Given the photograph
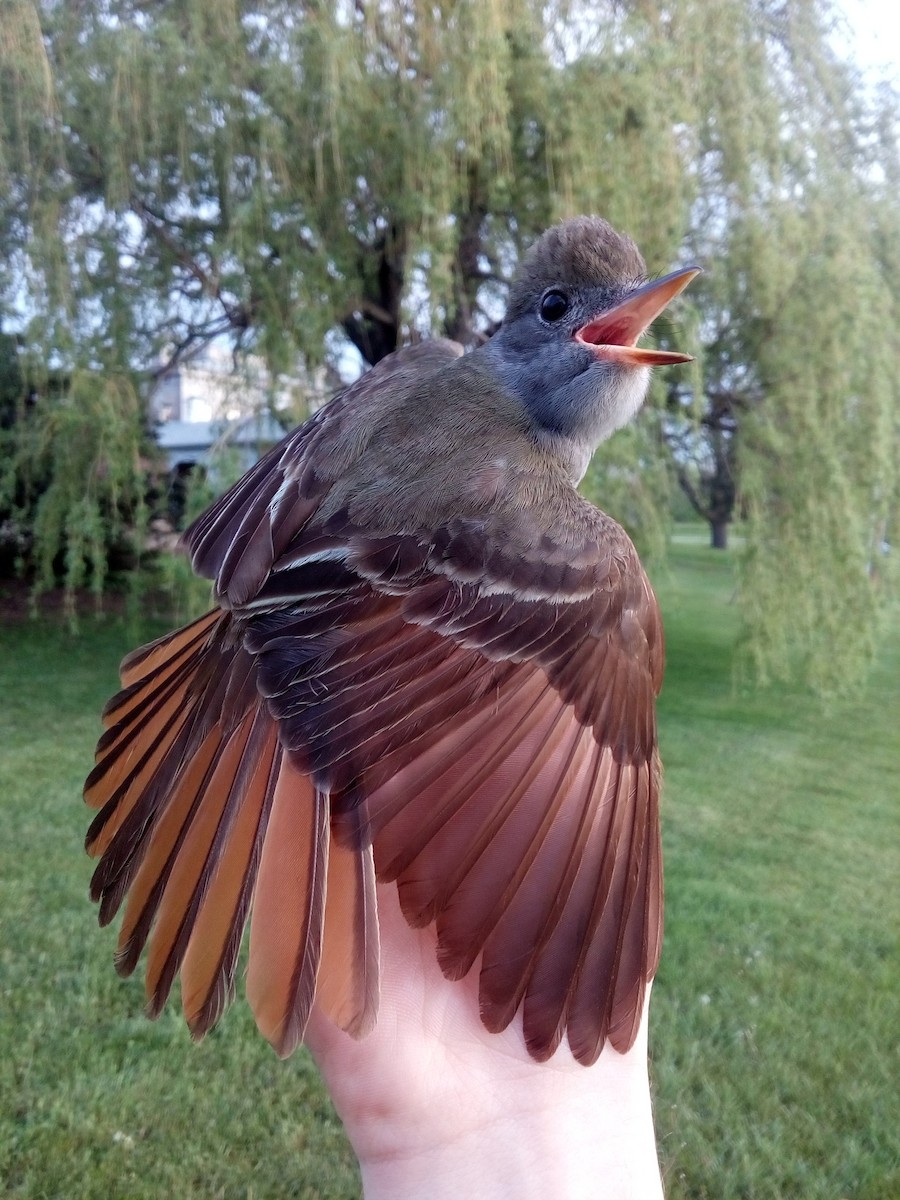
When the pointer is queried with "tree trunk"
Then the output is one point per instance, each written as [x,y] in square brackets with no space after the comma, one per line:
[718,531]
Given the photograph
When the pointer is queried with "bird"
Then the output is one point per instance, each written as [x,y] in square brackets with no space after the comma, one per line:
[430,662]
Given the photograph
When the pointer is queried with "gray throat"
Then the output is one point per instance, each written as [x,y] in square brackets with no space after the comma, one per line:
[572,400]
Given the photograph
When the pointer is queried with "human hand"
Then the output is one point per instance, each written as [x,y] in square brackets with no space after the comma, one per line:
[435,1106]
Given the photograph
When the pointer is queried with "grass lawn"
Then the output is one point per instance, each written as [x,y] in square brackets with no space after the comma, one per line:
[775,1016]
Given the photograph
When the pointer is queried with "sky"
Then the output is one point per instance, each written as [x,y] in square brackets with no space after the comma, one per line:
[874,36]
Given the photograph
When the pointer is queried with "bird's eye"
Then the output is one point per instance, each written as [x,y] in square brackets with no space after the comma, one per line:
[554,305]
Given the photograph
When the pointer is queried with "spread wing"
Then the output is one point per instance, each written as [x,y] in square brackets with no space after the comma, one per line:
[478,701]
[471,703]
[496,742]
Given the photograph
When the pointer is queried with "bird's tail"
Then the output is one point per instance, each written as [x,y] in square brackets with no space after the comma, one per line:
[202,818]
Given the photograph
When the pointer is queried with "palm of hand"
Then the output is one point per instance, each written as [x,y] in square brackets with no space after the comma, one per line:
[436,1105]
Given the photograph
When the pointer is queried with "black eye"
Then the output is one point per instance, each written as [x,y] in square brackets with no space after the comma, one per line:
[554,305]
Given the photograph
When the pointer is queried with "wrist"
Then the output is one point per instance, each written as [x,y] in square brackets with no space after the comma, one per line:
[436,1107]
[554,1129]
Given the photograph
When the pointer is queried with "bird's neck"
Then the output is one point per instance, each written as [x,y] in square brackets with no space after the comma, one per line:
[568,412]
[573,454]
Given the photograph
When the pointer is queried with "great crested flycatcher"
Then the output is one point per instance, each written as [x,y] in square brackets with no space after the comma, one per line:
[431,661]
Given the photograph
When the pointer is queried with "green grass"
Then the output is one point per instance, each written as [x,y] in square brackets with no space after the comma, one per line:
[775,1015]
[96,1102]
[775,1018]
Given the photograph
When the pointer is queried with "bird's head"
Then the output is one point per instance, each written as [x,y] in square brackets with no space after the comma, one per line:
[567,348]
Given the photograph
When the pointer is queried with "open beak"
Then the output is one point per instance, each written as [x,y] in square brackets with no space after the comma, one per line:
[614,334]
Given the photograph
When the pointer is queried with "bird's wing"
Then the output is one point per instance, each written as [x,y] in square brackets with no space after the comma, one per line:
[246,530]
[478,701]
[479,704]
[474,702]
[201,809]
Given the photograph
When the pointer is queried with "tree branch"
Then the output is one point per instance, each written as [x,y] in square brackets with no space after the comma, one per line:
[687,486]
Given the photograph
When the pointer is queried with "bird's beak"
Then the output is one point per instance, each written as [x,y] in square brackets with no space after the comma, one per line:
[613,335]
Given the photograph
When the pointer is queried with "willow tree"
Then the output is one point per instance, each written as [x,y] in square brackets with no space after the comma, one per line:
[308,178]
[798,429]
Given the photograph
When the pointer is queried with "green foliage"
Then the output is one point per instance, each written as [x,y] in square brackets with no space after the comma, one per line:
[801,399]
[311,178]
[185,595]
[820,465]
[71,467]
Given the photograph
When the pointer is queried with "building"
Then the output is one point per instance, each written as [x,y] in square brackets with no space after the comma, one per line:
[206,404]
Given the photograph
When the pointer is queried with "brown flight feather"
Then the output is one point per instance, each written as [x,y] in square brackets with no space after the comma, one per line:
[288,913]
[347,987]
[207,971]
